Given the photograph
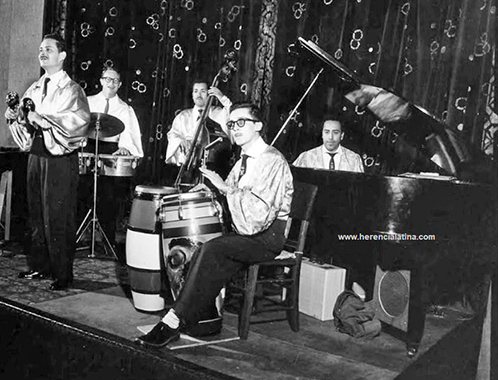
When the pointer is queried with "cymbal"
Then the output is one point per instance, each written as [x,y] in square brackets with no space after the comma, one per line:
[108,125]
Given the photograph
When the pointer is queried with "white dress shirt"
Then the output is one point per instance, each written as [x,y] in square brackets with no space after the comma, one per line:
[184,127]
[131,137]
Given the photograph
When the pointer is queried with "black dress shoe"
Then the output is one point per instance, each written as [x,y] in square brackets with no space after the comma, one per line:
[33,275]
[159,336]
[59,285]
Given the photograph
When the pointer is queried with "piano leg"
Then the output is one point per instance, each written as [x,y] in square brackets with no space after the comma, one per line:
[416,312]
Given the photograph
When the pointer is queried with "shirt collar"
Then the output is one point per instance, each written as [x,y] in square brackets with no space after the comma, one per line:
[114,99]
[338,151]
[55,78]
[257,148]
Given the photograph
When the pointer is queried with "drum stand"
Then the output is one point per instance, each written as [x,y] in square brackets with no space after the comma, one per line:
[91,216]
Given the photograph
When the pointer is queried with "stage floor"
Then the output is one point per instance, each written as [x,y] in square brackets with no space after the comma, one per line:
[101,300]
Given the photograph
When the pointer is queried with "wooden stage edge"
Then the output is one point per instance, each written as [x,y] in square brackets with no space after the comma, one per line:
[38,345]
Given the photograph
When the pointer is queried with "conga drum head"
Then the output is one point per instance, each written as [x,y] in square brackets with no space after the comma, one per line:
[198,196]
[153,192]
[188,206]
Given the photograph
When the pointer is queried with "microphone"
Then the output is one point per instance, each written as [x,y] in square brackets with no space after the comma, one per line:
[217,141]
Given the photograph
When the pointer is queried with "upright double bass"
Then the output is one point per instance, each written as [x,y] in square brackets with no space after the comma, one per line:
[201,140]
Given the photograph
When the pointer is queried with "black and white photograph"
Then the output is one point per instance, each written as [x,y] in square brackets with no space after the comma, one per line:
[249,189]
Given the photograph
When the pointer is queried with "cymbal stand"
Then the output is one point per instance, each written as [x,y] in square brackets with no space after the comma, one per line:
[91,216]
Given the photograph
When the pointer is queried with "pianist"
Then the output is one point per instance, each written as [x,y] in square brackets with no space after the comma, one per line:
[331,155]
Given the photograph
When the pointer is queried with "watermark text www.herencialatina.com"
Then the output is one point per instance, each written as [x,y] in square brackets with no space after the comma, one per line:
[380,237]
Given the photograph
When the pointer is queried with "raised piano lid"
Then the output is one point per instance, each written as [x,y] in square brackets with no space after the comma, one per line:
[438,148]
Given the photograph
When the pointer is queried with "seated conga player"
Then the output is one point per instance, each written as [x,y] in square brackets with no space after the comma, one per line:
[112,190]
[259,192]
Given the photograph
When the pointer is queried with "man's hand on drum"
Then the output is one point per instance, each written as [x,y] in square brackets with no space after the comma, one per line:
[215,179]
[199,187]
[122,152]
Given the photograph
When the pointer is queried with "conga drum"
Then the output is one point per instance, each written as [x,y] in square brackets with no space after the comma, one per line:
[189,220]
[143,247]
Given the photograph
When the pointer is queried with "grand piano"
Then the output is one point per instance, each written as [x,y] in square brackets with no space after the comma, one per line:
[433,189]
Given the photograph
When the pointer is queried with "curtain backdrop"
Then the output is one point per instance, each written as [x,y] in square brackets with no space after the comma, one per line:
[160,47]
[438,54]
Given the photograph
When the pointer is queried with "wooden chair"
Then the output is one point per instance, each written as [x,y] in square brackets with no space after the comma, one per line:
[278,289]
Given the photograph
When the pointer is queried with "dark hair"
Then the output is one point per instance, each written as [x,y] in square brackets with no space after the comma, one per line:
[199,80]
[333,117]
[254,110]
[59,41]
[113,68]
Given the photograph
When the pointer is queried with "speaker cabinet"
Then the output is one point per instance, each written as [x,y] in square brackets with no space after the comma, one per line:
[392,296]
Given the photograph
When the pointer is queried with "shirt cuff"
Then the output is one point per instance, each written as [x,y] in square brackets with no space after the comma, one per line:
[225,101]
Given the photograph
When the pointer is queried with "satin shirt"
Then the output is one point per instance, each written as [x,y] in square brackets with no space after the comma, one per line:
[65,114]
[264,192]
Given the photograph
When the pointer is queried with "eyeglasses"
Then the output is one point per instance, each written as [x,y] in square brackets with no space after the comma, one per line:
[240,123]
[109,80]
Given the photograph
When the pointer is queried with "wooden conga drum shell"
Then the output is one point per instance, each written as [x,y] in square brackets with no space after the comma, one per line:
[143,248]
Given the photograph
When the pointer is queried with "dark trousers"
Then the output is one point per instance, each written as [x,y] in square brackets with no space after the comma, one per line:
[219,260]
[51,192]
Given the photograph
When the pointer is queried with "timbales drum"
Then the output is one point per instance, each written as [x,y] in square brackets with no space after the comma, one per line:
[117,166]
[143,247]
[86,162]
[188,221]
